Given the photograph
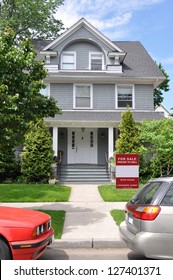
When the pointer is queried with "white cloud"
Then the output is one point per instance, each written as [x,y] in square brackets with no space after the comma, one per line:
[103,14]
[112,22]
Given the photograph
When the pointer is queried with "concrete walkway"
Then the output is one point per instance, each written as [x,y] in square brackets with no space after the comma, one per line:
[88,222]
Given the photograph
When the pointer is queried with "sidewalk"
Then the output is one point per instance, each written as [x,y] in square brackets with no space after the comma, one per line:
[88,222]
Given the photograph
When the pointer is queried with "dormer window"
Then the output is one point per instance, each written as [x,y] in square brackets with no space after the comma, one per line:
[68,60]
[96,61]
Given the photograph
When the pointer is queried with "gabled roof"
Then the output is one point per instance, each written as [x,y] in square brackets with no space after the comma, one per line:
[83,23]
[161,108]
[136,62]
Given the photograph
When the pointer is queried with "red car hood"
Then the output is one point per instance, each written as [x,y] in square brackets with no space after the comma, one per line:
[19,217]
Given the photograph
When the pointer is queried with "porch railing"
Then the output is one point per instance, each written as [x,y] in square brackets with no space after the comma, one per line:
[107,166]
[59,164]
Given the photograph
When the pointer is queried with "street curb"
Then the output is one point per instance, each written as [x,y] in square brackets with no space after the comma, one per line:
[107,243]
[88,243]
[72,243]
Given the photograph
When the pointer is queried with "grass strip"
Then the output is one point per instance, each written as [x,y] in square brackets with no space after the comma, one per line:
[34,193]
[109,193]
[118,216]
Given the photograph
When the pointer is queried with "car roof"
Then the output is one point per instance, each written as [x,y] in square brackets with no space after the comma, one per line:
[163,179]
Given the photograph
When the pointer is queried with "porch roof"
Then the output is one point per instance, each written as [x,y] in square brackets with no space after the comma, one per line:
[101,117]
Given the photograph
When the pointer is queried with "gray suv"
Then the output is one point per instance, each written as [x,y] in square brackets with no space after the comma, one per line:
[148,227]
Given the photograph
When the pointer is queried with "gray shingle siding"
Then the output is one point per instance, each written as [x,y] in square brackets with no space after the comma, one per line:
[82,35]
[144,97]
[82,50]
[104,97]
[137,68]
[63,93]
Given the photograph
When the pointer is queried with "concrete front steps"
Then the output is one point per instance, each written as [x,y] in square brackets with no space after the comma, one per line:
[84,174]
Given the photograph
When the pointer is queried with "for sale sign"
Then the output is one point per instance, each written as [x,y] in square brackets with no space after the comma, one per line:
[127,171]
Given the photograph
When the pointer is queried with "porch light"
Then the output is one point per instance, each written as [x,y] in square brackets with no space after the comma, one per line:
[83,129]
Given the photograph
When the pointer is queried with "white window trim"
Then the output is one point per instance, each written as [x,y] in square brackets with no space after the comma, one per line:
[96,53]
[91,97]
[48,90]
[116,95]
[68,53]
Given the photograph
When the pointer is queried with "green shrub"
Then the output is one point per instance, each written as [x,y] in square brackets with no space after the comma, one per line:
[37,157]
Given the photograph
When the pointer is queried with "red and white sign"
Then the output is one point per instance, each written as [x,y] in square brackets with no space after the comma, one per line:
[127,171]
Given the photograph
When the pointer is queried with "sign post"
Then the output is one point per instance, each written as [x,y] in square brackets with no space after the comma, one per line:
[127,171]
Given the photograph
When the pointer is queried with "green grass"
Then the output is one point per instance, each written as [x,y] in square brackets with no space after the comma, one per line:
[34,193]
[118,216]
[57,218]
[109,193]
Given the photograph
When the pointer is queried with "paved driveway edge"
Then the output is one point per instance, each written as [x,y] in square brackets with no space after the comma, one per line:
[88,243]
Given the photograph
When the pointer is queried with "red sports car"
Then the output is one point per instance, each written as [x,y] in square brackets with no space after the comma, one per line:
[24,234]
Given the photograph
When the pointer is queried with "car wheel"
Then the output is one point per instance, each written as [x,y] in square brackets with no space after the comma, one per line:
[5,253]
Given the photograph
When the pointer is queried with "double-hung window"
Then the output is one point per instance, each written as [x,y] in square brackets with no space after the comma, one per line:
[124,96]
[83,97]
[96,61]
[68,60]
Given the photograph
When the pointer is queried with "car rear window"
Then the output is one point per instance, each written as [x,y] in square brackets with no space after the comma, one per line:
[168,198]
[149,194]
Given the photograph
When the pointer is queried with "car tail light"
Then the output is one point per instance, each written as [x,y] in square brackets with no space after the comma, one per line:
[148,213]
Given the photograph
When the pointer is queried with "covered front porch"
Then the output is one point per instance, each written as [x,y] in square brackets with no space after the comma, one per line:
[84,137]
[83,145]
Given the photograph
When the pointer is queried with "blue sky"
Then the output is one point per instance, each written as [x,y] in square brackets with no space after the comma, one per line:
[147,21]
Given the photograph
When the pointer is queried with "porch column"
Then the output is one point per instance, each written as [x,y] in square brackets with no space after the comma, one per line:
[55,140]
[110,142]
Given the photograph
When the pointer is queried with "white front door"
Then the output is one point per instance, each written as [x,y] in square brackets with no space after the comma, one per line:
[82,145]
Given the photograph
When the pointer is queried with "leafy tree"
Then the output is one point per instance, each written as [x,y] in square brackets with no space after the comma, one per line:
[9,166]
[128,141]
[21,79]
[37,157]
[164,87]
[159,138]
[31,18]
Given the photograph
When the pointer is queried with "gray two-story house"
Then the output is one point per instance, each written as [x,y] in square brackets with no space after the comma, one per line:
[94,80]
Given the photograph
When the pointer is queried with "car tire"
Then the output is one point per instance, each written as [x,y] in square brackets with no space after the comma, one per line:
[5,253]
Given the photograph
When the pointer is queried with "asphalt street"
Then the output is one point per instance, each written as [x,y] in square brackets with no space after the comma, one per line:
[52,253]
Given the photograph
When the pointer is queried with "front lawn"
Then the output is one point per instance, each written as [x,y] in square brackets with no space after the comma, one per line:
[118,216]
[109,193]
[34,193]
[57,218]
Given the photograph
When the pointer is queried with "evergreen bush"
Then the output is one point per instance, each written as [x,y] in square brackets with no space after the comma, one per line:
[37,157]
[129,138]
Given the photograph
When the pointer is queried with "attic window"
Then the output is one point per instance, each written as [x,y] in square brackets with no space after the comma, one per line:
[68,60]
[96,61]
